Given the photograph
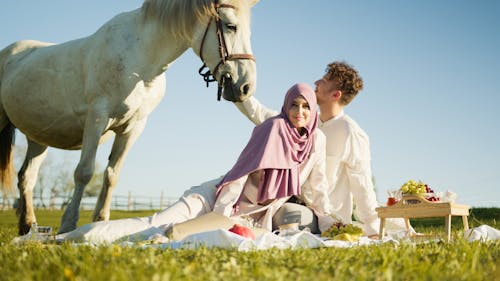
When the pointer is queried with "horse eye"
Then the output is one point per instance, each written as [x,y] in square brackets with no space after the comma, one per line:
[232,27]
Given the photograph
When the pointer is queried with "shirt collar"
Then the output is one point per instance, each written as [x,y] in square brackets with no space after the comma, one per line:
[338,116]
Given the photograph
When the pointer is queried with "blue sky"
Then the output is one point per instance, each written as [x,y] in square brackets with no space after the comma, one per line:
[431,71]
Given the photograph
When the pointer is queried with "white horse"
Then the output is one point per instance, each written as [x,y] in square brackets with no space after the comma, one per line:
[76,94]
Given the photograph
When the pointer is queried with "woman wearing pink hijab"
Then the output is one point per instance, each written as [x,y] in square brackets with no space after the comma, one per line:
[282,155]
[283,162]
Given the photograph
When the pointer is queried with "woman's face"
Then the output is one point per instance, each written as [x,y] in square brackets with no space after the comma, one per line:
[299,113]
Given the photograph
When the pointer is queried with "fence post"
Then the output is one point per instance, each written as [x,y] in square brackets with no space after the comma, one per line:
[161,200]
[52,199]
[129,206]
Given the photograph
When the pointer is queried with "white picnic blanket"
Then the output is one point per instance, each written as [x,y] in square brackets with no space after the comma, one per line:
[222,238]
[482,233]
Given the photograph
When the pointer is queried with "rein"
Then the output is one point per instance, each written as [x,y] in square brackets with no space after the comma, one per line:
[224,55]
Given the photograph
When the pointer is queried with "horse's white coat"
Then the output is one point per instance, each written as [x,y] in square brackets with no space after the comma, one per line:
[75,94]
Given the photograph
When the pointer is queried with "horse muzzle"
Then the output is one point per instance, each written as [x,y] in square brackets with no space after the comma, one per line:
[235,92]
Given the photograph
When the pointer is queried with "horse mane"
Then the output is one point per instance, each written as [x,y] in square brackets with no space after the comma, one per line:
[180,16]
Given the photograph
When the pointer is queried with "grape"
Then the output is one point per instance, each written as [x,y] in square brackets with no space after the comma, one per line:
[413,187]
[339,228]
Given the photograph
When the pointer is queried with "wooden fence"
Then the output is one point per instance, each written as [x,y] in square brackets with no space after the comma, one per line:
[128,202]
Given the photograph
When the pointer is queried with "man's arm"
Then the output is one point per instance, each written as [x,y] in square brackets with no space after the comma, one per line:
[255,111]
[360,178]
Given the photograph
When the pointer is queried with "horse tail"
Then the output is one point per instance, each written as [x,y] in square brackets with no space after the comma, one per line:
[7,136]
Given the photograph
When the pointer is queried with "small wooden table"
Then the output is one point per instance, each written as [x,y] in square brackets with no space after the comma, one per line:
[419,207]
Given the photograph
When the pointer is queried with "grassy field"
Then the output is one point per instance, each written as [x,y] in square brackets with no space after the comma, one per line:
[458,260]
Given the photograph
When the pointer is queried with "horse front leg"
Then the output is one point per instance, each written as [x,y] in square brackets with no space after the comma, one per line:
[94,127]
[27,176]
[121,147]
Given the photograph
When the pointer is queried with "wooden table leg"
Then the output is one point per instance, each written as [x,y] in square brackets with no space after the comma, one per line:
[382,228]
[407,225]
[466,222]
[447,224]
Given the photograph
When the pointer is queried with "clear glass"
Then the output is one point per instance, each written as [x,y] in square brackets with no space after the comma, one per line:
[394,196]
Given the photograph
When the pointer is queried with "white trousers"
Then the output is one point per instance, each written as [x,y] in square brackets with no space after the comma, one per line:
[193,203]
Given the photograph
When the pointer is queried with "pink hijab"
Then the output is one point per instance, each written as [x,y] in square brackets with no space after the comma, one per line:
[277,148]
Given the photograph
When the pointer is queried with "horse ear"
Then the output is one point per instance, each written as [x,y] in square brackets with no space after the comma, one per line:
[252,2]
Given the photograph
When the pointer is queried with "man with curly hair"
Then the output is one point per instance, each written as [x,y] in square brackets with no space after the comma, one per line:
[348,161]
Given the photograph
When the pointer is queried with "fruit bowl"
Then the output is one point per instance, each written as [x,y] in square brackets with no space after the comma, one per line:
[413,198]
[428,197]
[419,198]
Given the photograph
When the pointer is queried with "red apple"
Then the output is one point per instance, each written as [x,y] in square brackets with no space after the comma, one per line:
[242,231]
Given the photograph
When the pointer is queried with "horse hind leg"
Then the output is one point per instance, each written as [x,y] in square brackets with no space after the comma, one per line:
[27,178]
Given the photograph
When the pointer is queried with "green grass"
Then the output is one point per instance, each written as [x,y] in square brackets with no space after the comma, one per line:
[458,260]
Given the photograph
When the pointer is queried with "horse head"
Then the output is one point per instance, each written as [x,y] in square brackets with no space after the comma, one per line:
[223,44]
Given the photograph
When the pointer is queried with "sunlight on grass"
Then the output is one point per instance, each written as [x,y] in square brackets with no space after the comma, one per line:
[435,260]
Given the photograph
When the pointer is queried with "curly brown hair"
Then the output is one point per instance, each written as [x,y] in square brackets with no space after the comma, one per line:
[347,79]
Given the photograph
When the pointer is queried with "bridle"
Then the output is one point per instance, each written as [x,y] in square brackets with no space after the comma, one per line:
[224,55]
